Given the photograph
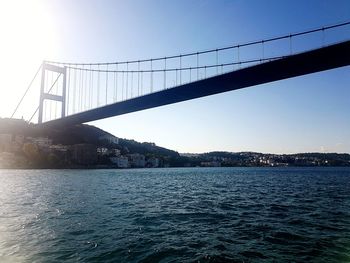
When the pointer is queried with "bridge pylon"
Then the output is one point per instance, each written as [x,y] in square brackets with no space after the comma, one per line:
[46,95]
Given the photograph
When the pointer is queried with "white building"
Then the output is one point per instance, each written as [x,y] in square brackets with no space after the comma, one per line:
[59,148]
[211,164]
[109,138]
[42,142]
[102,151]
[115,152]
[153,162]
[5,142]
[19,139]
[137,160]
[121,161]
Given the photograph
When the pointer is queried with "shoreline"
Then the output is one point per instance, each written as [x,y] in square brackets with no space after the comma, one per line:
[152,168]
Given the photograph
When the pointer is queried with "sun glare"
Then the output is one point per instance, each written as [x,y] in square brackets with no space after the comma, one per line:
[27,37]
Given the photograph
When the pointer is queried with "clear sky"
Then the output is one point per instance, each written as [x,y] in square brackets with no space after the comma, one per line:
[303,114]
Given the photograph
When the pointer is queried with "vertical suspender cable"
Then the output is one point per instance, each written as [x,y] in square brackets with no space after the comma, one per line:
[217,61]
[79,98]
[55,103]
[51,81]
[57,90]
[141,82]
[197,67]
[323,37]
[165,73]
[132,83]
[82,90]
[290,44]
[45,110]
[238,59]
[75,91]
[68,92]
[127,79]
[263,50]
[164,85]
[138,78]
[79,85]
[176,76]
[151,76]
[98,85]
[90,88]
[116,87]
[107,85]
[233,59]
[123,85]
[180,69]
[46,81]
[78,91]
[86,89]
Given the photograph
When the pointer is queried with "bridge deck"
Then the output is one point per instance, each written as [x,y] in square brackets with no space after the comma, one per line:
[334,56]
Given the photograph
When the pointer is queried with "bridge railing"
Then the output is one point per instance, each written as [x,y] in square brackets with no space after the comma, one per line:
[92,85]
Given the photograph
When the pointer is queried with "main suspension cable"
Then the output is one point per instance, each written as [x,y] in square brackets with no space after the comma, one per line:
[319,29]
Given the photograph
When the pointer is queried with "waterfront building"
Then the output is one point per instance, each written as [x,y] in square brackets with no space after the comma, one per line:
[5,142]
[12,160]
[19,139]
[59,148]
[6,159]
[102,151]
[61,151]
[211,164]
[153,162]
[120,161]
[115,152]
[85,154]
[11,143]
[42,141]
[137,160]
[109,138]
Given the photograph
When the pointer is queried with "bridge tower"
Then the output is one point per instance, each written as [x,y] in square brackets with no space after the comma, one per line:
[46,95]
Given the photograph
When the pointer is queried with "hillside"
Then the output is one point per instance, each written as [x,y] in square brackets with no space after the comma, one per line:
[22,141]
[82,134]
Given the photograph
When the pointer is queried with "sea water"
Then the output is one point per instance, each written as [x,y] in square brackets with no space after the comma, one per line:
[175,215]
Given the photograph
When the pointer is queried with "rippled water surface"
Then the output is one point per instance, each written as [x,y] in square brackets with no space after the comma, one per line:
[175,215]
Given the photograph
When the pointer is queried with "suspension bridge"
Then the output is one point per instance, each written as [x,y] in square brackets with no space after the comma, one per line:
[75,93]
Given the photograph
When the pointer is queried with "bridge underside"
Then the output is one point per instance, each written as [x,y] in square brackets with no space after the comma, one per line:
[326,58]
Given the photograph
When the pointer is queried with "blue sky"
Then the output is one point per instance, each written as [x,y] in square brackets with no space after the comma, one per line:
[304,114]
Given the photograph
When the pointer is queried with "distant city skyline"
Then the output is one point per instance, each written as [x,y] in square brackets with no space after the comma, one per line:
[303,114]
